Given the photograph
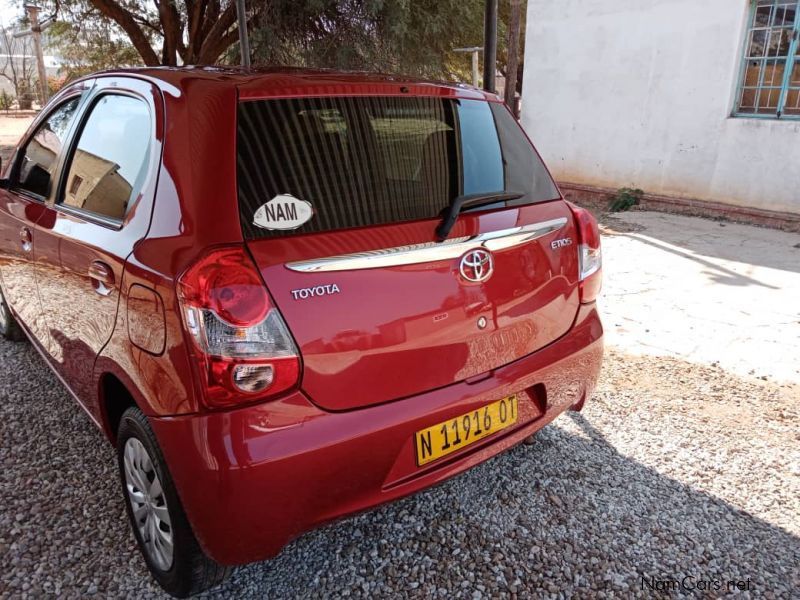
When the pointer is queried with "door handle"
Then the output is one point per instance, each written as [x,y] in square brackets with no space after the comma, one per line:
[102,277]
[26,239]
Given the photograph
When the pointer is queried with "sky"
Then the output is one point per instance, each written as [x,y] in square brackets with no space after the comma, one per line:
[10,10]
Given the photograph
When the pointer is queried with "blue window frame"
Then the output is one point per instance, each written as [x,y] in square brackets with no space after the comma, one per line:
[769,84]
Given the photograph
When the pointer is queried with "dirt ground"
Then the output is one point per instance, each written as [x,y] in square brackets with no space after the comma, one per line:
[11,129]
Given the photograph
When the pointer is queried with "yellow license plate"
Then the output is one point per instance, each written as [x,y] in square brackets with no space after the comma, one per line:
[451,435]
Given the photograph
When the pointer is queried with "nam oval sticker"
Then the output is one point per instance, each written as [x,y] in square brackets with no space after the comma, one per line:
[283,212]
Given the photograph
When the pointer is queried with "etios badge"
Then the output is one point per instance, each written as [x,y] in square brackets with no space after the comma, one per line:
[477,265]
[562,243]
[283,212]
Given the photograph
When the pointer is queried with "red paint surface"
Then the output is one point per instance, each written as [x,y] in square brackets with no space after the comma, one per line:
[254,478]
[392,333]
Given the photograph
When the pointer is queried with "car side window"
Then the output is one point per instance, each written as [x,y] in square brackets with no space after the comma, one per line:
[109,165]
[38,162]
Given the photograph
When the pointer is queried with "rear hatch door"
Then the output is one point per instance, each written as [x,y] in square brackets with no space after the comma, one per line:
[339,201]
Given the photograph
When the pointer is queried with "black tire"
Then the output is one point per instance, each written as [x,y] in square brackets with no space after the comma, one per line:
[191,571]
[9,328]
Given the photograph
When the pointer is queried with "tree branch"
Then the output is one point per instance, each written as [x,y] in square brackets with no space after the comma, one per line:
[155,28]
[126,21]
[217,31]
[212,53]
[196,10]
[171,24]
[212,14]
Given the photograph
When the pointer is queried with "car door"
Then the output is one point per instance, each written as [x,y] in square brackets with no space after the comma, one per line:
[23,206]
[98,214]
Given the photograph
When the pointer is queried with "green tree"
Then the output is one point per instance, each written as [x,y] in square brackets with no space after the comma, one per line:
[414,37]
[91,45]
[165,32]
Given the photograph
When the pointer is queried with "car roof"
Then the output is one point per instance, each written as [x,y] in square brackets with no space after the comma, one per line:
[273,82]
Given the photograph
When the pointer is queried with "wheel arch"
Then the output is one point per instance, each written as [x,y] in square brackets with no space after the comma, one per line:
[114,398]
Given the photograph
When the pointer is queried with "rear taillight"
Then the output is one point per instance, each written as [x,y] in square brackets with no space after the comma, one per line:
[590,256]
[243,348]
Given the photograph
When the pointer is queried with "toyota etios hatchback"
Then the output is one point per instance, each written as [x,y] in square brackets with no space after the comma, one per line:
[290,296]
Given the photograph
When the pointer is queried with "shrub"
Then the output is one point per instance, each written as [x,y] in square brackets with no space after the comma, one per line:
[6,100]
[624,199]
[55,83]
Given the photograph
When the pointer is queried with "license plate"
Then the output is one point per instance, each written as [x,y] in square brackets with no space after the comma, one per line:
[451,435]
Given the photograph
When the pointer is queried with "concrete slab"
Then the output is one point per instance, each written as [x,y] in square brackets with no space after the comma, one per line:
[708,292]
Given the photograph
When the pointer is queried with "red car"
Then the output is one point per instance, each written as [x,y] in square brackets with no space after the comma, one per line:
[288,296]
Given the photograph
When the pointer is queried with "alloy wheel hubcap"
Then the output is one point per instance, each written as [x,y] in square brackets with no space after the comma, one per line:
[148,504]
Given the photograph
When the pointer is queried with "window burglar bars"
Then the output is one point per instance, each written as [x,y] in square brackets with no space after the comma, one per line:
[769,83]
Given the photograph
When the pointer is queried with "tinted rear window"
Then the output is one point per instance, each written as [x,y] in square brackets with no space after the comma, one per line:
[366,161]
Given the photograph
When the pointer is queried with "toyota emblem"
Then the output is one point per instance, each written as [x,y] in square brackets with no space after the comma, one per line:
[477,265]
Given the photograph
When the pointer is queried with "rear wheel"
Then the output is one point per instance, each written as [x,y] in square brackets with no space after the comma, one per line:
[158,520]
[9,328]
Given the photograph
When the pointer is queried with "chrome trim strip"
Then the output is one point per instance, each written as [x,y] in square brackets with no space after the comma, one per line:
[429,251]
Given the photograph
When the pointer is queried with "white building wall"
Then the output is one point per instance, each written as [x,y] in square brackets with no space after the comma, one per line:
[639,93]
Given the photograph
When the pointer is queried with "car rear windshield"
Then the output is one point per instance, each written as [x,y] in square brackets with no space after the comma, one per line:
[363,161]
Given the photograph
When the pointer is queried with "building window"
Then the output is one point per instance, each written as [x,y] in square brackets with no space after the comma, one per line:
[77,180]
[770,80]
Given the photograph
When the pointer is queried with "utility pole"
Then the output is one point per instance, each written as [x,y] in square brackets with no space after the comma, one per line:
[490,41]
[474,50]
[244,40]
[513,56]
[36,31]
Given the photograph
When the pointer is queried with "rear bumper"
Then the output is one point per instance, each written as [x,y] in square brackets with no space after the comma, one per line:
[253,479]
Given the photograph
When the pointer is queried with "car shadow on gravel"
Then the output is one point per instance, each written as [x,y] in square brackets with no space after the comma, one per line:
[568,514]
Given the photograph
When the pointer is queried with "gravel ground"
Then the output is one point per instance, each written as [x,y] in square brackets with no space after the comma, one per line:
[673,469]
